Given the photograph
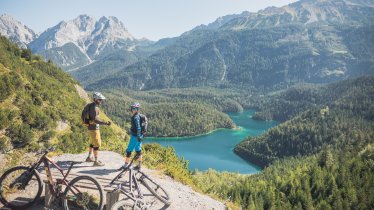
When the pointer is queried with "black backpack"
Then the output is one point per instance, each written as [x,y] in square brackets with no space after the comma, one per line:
[143,123]
[85,117]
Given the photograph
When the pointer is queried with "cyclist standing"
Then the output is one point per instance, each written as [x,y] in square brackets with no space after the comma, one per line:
[136,138]
[94,128]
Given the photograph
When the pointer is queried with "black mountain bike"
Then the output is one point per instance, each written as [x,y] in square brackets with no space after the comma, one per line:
[21,187]
[135,193]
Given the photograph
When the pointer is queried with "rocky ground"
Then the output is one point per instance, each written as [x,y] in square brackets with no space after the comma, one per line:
[182,196]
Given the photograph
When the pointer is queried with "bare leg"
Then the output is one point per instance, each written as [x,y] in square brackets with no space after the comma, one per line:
[90,149]
[96,153]
[127,160]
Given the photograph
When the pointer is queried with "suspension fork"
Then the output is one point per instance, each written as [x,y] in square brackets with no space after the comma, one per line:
[29,173]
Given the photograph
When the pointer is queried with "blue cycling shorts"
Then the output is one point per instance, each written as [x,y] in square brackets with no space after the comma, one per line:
[134,144]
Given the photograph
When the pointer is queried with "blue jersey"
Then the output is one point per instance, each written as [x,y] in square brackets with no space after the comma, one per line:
[136,128]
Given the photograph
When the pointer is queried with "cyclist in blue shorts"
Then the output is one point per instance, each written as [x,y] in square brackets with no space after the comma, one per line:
[136,137]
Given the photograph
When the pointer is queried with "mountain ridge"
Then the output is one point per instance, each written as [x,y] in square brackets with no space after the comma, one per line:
[74,43]
[260,52]
[93,38]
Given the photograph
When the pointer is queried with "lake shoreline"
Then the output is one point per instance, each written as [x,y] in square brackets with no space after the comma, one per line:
[215,149]
[236,127]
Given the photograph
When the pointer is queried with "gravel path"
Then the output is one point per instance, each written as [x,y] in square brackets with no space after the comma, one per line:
[182,196]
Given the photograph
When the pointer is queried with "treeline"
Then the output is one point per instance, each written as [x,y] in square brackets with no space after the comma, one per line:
[329,180]
[225,100]
[308,134]
[285,104]
[347,122]
[175,112]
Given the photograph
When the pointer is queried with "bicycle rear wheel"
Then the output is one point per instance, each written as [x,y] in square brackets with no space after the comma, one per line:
[20,187]
[83,192]
[157,190]
[123,205]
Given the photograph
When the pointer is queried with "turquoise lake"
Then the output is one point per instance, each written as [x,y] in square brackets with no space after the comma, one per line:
[215,150]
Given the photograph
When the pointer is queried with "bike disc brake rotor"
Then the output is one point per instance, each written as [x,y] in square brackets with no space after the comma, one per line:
[83,199]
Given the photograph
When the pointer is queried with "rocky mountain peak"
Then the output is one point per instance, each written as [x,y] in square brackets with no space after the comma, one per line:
[16,31]
[112,28]
[84,22]
[85,32]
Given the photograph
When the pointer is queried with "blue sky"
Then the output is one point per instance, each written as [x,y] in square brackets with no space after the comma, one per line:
[152,19]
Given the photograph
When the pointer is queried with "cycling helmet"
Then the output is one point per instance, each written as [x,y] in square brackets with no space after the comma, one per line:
[98,95]
[135,105]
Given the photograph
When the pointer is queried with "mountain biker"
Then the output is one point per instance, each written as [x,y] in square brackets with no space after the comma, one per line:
[136,138]
[94,128]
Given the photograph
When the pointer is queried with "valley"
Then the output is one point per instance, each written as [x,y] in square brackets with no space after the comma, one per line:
[266,110]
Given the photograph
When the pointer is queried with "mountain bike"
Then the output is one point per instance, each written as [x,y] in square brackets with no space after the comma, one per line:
[21,187]
[135,193]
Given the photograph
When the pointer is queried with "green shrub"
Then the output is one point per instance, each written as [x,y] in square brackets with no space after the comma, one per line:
[6,116]
[5,144]
[20,135]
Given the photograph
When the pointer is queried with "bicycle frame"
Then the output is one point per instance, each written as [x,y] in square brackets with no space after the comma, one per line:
[53,185]
[135,181]
[124,170]
[132,179]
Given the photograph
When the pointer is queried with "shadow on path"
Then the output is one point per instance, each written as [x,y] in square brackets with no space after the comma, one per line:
[98,171]
[64,165]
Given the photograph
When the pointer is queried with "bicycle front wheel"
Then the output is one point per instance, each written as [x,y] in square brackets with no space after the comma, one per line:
[157,190]
[83,192]
[123,205]
[20,187]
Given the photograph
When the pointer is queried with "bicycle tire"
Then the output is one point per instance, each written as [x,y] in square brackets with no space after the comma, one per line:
[123,205]
[21,177]
[157,190]
[92,198]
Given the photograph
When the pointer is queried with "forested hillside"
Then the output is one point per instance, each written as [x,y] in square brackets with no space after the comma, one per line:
[337,116]
[40,105]
[174,112]
[329,181]
[320,158]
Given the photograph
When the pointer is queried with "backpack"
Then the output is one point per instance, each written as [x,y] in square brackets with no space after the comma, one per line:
[143,123]
[85,117]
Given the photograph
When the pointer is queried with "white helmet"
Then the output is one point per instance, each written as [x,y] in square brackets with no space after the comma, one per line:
[98,95]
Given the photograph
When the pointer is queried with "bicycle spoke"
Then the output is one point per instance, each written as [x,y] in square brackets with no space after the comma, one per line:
[19,187]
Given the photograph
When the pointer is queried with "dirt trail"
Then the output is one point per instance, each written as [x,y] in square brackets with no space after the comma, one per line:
[182,196]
